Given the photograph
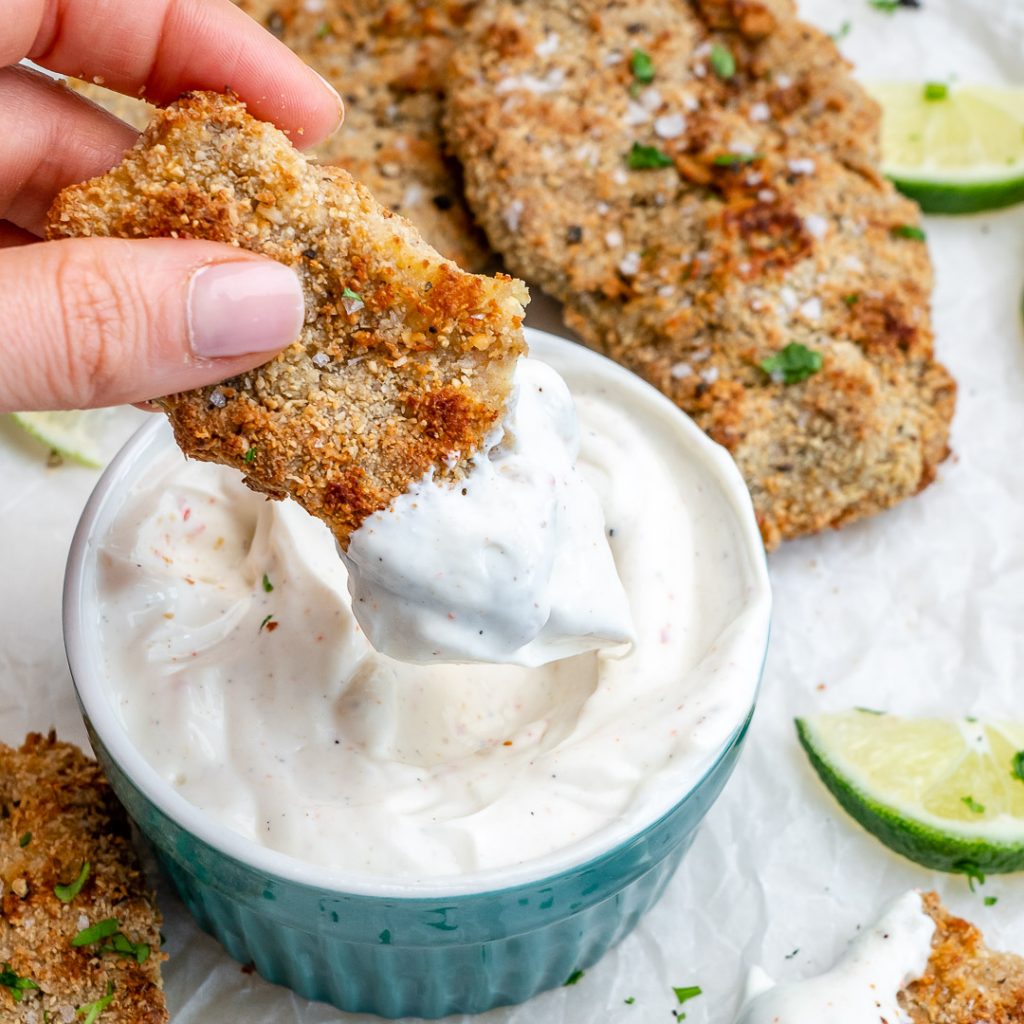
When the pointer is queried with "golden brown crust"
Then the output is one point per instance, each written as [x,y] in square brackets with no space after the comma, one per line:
[387,58]
[965,981]
[409,373]
[769,226]
[58,812]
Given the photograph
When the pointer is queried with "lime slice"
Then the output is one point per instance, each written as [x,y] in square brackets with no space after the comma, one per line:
[77,436]
[958,152]
[946,794]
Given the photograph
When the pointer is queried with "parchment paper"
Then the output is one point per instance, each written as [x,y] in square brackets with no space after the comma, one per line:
[919,610]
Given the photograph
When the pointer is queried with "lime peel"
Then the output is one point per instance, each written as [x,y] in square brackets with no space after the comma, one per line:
[958,152]
[976,848]
[72,435]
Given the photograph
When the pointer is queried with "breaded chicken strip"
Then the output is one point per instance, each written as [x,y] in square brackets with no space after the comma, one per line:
[405,363]
[66,865]
[699,192]
[387,58]
[965,981]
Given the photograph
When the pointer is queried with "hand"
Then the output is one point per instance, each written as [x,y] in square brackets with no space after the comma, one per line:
[90,322]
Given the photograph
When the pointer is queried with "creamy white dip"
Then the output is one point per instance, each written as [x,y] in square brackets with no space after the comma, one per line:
[270,710]
[511,565]
[862,987]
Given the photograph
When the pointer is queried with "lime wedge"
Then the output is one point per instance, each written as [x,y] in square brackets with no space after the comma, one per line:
[77,436]
[946,794]
[959,151]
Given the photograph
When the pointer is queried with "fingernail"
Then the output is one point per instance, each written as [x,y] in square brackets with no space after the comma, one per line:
[337,96]
[236,308]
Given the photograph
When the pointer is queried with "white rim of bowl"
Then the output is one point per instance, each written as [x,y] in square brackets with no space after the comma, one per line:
[107,496]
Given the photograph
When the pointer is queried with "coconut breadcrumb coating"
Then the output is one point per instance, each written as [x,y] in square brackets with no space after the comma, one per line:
[387,58]
[965,982]
[698,184]
[59,814]
[405,363]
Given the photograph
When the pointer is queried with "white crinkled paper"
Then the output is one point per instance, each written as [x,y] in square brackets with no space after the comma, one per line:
[919,611]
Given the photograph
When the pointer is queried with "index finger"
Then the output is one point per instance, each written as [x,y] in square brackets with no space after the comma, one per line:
[161,48]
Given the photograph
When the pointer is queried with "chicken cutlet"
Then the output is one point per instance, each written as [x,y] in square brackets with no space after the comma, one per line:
[696,184]
[965,982]
[387,58]
[79,928]
[404,365]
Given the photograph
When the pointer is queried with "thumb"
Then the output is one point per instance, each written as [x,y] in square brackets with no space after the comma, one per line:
[101,321]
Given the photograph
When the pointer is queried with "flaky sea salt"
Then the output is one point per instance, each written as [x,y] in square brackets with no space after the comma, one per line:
[810,308]
[548,47]
[816,226]
[669,126]
[629,264]
[636,114]
[513,213]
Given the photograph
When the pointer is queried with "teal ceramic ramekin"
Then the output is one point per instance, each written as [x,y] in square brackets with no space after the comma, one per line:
[427,949]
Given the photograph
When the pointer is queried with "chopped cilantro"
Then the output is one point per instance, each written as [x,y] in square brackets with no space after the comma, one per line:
[324,30]
[100,930]
[686,993]
[885,5]
[722,61]
[907,231]
[935,90]
[972,805]
[645,158]
[66,893]
[972,871]
[842,32]
[91,1011]
[250,455]
[629,1000]
[10,979]
[573,978]
[349,294]
[25,840]
[793,364]
[119,942]
[267,585]
[869,711]
[991,901]
[123,946]
[736,159]
[264,623]
[642,66]
[1017,766]
[852,299]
